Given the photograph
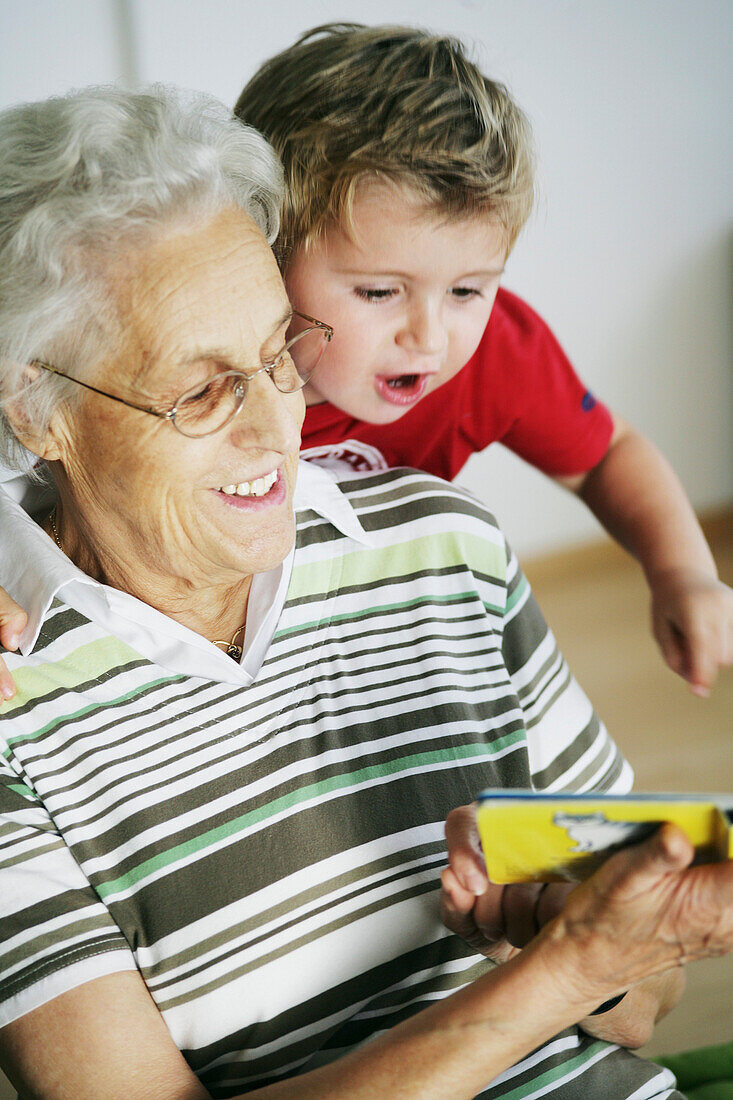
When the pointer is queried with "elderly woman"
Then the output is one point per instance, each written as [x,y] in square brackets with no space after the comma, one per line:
[233,747]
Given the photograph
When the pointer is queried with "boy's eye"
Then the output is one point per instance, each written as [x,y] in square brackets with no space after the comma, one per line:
[374,294]
[465,292]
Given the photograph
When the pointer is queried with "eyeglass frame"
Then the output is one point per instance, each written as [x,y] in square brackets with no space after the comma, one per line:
[170,414]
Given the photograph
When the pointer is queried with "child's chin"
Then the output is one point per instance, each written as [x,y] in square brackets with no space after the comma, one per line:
[382,413]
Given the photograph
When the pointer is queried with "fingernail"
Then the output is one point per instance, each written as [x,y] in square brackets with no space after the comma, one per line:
[475,882]
[13,641]
[703,692]
[7,689]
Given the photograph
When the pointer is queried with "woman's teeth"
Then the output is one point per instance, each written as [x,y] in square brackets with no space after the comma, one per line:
[256,488]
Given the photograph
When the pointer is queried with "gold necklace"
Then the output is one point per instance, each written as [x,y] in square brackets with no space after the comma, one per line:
[230,648]
[52,521]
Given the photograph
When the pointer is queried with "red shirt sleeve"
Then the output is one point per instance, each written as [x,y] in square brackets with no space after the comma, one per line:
[548,416]
[518,388]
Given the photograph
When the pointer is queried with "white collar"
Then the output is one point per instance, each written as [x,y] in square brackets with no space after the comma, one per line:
[317,490]
[34,571]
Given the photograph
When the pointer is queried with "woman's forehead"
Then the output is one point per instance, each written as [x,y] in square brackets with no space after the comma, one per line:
[213,286]
[190,345]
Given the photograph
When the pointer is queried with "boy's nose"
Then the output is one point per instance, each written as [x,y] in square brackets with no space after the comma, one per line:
[424,331]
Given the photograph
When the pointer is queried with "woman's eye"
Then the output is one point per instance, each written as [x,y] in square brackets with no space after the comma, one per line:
[199,395]
[463,293]
[374,294]
[209,389]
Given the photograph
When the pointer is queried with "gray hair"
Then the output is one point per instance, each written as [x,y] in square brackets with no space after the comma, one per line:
[82,177]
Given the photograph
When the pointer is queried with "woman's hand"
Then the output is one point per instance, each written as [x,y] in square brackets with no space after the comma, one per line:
[692,619]
[646,910]
[633,924]
[502,919]
[12,621]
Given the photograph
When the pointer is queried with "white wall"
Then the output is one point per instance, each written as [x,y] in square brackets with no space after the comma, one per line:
[629,255]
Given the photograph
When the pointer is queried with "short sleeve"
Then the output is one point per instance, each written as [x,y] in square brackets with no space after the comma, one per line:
[529,397]
[55,933]
[569,747]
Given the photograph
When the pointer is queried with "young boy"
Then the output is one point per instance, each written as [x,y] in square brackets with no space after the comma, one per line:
[410,176]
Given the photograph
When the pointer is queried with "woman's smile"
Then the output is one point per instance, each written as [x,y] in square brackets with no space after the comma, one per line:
[254,487]
[262,492]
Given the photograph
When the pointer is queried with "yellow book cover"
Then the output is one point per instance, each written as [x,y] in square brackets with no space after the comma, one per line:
[530,836]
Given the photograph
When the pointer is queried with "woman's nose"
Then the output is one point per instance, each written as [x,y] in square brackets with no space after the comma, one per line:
[424,331]
[269,419]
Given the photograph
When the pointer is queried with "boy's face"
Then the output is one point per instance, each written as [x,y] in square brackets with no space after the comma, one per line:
[409,298]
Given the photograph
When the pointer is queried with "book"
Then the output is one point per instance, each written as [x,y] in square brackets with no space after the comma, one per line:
[531,836]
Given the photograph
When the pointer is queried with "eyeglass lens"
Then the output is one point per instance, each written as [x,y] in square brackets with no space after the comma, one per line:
[209,406]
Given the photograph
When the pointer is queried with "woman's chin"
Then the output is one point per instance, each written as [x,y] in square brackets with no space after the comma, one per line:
[258,531]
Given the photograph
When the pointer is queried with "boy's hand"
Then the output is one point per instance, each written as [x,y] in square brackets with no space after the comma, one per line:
[636,495]
[496,921]
[692,619]
[12,621]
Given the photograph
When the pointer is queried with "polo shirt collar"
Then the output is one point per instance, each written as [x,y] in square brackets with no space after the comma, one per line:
[34,570]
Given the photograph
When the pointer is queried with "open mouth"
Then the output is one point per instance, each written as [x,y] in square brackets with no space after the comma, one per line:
[261,492]
[401,389]
[258,487]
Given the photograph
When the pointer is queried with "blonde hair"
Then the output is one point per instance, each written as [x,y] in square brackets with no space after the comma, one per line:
[348,103]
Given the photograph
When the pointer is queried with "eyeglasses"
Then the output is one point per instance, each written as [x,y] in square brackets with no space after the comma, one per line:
[209,406]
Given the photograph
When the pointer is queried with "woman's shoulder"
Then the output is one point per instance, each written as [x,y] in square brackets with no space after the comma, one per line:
[399,486]
[402,503]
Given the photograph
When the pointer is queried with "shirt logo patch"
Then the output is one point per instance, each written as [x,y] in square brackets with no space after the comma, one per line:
[351,455]
[588,402]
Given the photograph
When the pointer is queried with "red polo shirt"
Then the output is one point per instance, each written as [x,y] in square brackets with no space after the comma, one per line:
[518,388]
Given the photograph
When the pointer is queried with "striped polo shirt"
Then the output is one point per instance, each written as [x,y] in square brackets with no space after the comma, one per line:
[267,854]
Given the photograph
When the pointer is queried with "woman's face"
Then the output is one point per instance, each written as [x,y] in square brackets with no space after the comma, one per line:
[193,303]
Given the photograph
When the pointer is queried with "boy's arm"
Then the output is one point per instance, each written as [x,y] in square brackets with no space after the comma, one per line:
[635,494]
[36,497]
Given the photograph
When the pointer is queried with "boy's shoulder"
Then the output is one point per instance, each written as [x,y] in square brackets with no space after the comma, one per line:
[516,324]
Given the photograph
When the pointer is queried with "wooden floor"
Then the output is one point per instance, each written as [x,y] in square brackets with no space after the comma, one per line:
[674,740]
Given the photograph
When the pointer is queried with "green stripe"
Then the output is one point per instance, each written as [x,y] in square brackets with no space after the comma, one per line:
[88,662]
[302,794]
[365,566]
[102,704]
[552,1075]
[22,789]
[370,612]
[519,592]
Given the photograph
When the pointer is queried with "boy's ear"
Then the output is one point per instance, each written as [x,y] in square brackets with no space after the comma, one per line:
[44,444]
